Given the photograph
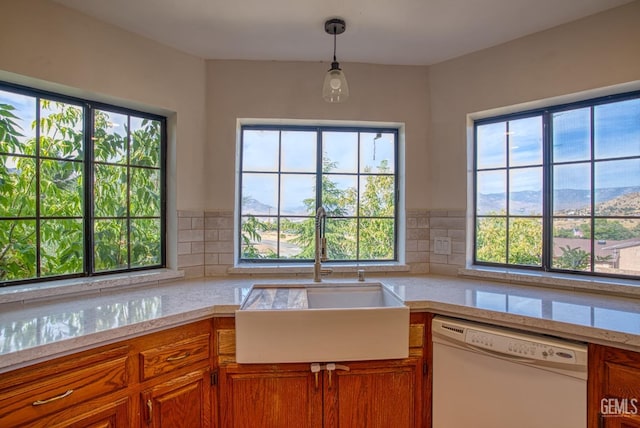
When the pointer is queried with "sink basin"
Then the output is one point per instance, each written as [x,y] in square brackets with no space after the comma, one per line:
[321,322]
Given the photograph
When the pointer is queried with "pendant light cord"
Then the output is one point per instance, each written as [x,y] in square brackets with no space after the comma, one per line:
[334,44]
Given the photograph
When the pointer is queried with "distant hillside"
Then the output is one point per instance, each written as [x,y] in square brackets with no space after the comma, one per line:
[617,200]
[253,206]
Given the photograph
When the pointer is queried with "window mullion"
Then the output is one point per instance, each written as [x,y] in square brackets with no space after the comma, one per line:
[88,210]
[37,184]
[547,191]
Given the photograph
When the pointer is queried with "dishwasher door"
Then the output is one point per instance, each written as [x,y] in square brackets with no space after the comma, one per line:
[480,389]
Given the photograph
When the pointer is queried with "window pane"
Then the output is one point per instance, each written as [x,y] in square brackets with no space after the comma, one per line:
[61,130]
[258,239]
[339,194]
[377,152]
[376,239]
[297,194]
[260,150]
[145,192]
[342,239]
[377,196]
[525,241]
[491,192]
[145,242]
[18,237]
[617,129]
[572,244]
[61,247]
[617,185]
[110,190]
[572,189]
[110,137]
[491,239]
[491,145]
[572,135]
[110,245]
[340,151]
[525,191]
[61,189]
[618,246]
[525,141]
[571,228]
[17,186]
[294,238]
[146,141]
[260,194]
[299,151]
[17,114]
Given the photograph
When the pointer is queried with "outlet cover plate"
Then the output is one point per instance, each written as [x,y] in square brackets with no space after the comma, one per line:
[442,246]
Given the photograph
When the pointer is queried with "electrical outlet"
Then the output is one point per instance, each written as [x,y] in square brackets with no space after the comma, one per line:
[442,246]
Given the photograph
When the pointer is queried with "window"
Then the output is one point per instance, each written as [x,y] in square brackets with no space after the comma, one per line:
[81,187]
[288,172]
[559,189]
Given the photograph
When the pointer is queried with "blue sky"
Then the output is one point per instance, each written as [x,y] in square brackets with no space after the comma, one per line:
[617,134]
[260,153]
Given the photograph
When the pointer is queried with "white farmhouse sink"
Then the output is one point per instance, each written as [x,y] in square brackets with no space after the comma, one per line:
[325,322]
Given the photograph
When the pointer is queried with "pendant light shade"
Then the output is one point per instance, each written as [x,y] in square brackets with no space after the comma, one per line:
[335,88]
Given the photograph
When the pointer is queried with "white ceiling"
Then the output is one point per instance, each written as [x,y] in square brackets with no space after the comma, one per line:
[410,32]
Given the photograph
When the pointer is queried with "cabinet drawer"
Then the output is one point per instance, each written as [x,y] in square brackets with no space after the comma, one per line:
[173,356]
[53,393]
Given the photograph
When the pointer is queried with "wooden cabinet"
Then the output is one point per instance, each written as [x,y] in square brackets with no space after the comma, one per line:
[269,396]
[368,394]
[156,380]
[175,377]
[614,388]
[29,395]
[374,394]
[180,402]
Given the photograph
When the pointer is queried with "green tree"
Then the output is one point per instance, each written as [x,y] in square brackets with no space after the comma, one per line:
[572,259]
[524,240]
[59,230]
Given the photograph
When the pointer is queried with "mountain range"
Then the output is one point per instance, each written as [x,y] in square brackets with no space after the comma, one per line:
[610,199]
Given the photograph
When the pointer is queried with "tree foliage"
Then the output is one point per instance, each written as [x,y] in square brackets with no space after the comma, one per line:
[366,234]
[42,192]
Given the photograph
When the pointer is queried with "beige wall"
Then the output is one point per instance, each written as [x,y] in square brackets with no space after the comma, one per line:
[81,56]
[292,90]
[594,52]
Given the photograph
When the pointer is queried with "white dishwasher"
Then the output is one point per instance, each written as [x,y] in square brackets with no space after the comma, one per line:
[490,377]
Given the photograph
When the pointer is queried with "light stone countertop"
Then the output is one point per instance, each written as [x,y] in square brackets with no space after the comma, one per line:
[37,330]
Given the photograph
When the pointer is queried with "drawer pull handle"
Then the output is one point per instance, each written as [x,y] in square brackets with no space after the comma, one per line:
[149,412]
[49,400]
[178,358]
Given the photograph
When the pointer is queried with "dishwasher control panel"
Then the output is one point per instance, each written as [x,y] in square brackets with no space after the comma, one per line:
[519,347]
[528,348]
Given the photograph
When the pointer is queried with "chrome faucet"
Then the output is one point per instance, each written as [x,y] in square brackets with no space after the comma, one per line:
[321,246]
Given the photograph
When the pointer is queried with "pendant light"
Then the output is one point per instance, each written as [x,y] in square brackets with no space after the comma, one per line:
[335,88]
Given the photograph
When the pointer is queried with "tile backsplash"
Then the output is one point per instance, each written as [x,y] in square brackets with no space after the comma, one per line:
[205,241]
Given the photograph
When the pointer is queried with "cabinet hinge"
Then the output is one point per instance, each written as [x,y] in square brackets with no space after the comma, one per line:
[425,369]
[214,378]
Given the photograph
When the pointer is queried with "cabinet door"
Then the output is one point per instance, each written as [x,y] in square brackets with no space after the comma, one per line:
[181,402]
[273,396]
[621,422]
[614,388]
[375,394]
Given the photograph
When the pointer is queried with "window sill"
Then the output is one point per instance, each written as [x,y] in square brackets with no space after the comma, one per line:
[611,286]
[66,287]
[307,269]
